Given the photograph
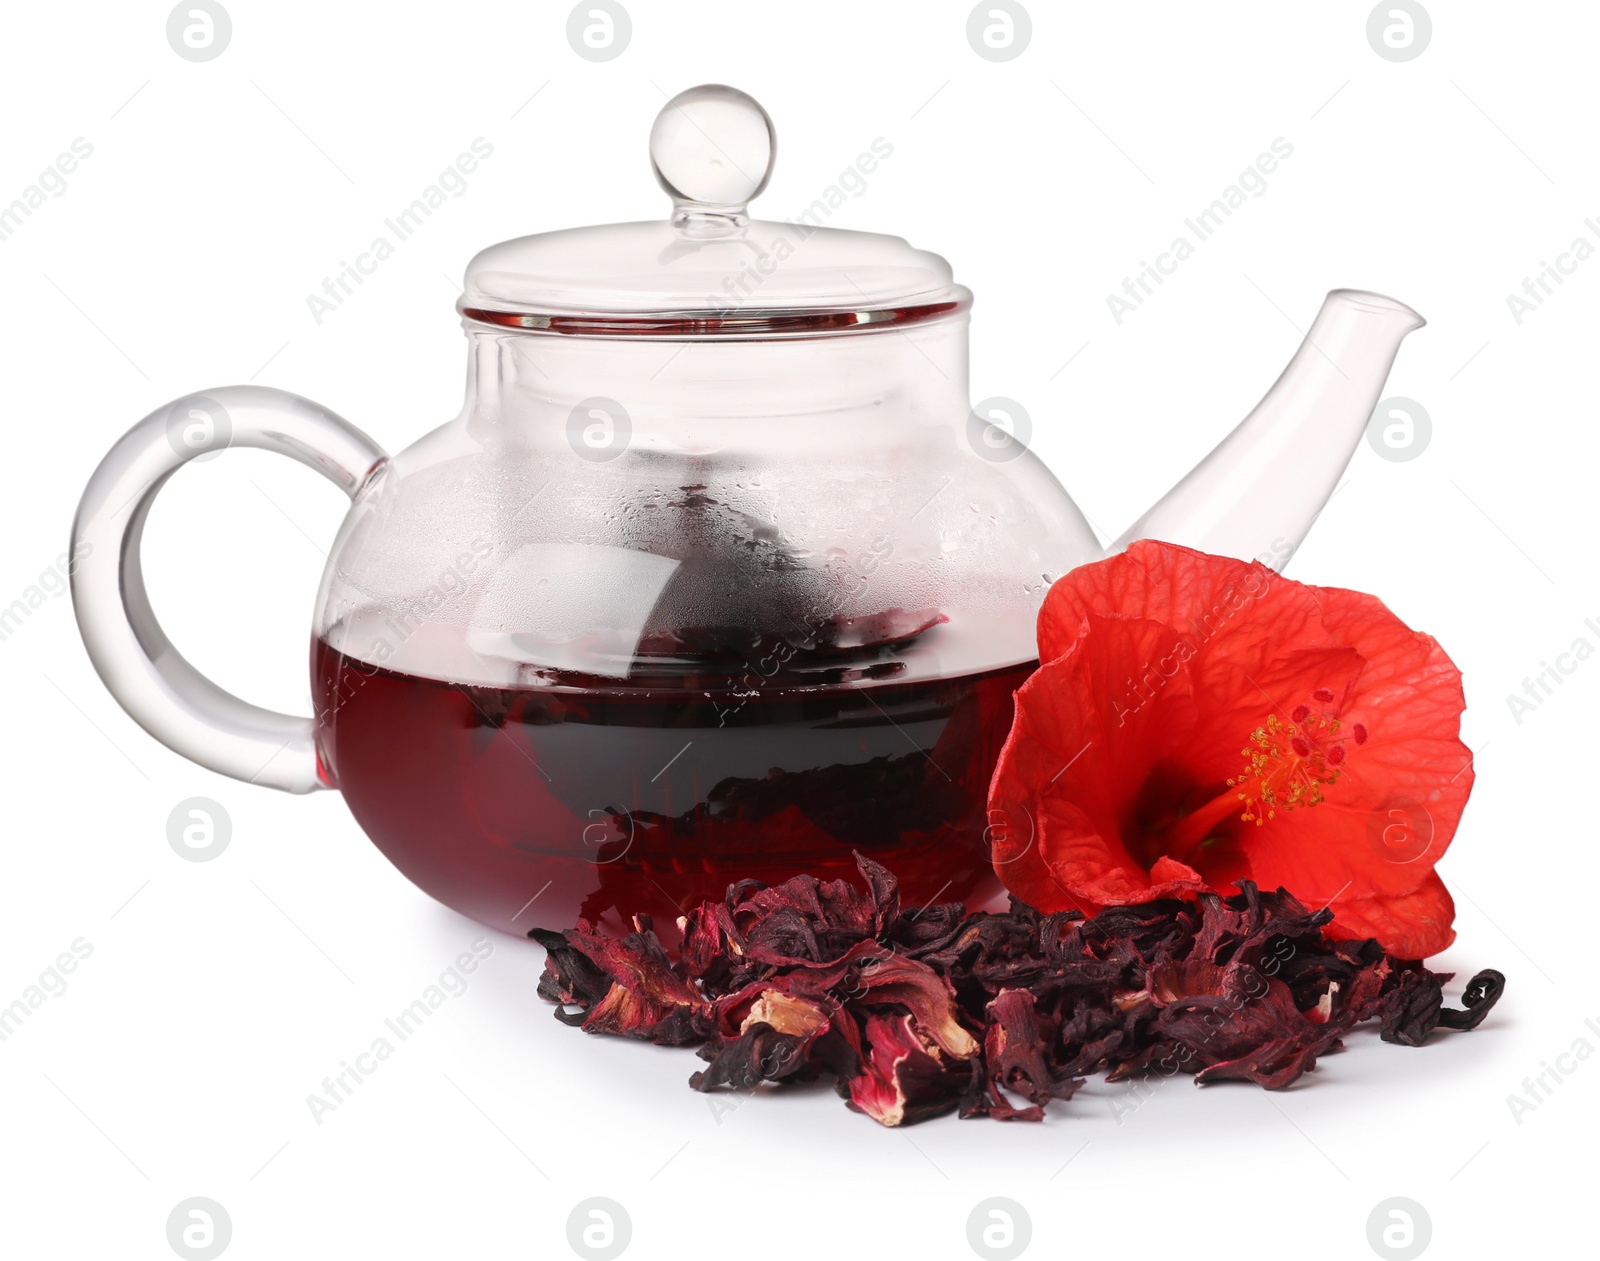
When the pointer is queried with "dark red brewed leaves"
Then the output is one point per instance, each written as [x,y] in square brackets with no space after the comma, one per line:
[918,1013]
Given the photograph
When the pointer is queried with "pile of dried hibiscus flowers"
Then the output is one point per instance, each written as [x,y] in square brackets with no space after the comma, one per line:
[916,1013]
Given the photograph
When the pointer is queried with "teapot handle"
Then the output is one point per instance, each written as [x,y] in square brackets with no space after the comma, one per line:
[149,678]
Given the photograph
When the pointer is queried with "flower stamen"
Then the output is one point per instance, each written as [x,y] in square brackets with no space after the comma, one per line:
[1289,764]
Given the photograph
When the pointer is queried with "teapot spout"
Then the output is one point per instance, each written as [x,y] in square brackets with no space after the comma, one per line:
[1257,493]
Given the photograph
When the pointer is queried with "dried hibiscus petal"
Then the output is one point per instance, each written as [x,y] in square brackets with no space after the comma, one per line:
[1015,1057]
[926,997]
[619,985]
[1414,1008]
[995,1014]
[759,1054]
[1477,1001]
[902,1079]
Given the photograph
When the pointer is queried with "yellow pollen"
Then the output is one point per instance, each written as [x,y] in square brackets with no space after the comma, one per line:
[1287,764]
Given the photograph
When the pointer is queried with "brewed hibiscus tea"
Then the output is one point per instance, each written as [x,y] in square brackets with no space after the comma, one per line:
[607,798]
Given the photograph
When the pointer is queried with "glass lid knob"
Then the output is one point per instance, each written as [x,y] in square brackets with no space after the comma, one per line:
[712,148]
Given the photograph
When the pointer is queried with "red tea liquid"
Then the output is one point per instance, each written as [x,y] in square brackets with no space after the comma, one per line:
[534,806]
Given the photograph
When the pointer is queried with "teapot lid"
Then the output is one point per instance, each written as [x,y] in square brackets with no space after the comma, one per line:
[710,270]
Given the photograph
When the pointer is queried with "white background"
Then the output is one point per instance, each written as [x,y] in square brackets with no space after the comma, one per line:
[219,195]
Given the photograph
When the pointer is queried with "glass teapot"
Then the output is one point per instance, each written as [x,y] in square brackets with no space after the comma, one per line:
[716,575]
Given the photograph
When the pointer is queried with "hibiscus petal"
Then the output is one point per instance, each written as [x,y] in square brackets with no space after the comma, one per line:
[1169,873]
[1413,925]
[1201,597]
[1075,757]
[1233,696]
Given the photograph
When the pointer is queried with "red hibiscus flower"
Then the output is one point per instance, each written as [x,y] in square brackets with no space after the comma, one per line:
[1198,721]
